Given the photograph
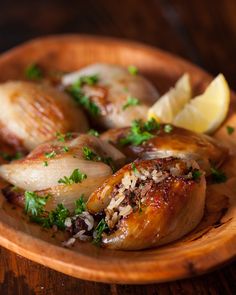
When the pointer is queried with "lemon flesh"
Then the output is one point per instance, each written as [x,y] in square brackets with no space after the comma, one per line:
[206,112]
[172,102]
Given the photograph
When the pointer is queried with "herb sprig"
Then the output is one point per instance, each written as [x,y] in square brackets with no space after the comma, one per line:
[230,130]
[217,175]
[33,72]
[139,132]
[92,156]
[131,101]
[101,227]
[79,96]
[76,177]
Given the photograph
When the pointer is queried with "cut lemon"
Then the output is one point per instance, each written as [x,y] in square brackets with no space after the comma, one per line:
[171,103]
[206,112]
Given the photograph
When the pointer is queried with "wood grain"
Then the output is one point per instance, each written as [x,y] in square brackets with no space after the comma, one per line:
[178,26]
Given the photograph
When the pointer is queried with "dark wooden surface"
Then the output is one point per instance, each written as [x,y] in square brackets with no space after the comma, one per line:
[203,32]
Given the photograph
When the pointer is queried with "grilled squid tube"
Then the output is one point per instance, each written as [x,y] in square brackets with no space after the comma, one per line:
[65,169]
[150,203]
[177,142]
[120,96]
[32,113]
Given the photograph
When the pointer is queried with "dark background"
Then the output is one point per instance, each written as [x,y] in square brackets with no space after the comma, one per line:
[202,31]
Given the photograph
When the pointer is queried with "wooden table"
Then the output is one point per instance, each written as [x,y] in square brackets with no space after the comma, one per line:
[202,31]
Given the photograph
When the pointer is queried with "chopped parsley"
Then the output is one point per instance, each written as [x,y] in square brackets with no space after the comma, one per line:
[92,156]
[230,130]
[93,132]
[139,132]
[77,93]
[218,176]
[8,157]
[65,149]
[58,216]
[131,101]
[45,163]
[75,177]
[101,227]
[63,137]
[133,70]
[33,72]
[134,168]
[50,155]
[196,174]
[168,128]
[80,205]
[34,204]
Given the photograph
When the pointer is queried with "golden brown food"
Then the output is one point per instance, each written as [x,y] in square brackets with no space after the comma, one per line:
[167,140]
[66,168]
[32,113]
[150,203]
[119,96]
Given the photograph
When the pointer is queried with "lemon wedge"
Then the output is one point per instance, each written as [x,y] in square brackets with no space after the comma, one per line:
[172,102]
[206,112]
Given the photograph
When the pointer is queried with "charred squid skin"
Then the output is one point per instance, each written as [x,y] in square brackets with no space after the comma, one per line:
[171,206]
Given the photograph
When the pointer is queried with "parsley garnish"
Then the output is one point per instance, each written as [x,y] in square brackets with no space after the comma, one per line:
[7,157]
[92,156]
[75,177]
[65,149]
[101,227]
[151,125]
[217,176]
[131,101]
[45,163]
[133,70]
[93,132]
[58,216]
[230,129]
[76,92]
[133,166]
[34,204]
[139,132]
[80,205]
[196,174]
[62,137]
[168,128]
[50,155]
[33,72]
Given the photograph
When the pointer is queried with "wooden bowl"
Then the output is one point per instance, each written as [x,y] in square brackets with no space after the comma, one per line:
[211,244]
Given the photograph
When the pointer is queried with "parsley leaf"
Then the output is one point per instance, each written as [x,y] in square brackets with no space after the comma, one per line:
[80,205]
[93,132]
[196,174]
[76,92]
[62,137]
[8,157]
[133,70]
[131,101]
[33,72]
[34,204]
[139,132]
[230,129]
[168,128]
[58,216]
[101,227]
[50,155]
[133,166]
[45,163]
[75,177]
[92,156]
[65,149]
[217,176]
